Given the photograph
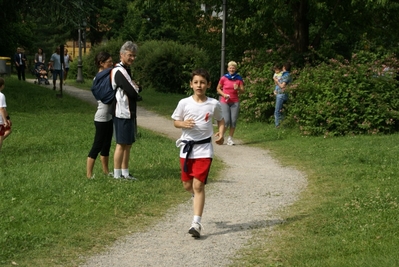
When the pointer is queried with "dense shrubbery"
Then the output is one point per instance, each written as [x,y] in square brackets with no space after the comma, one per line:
[257,103]
[338,97]
[166,66]
[342,97]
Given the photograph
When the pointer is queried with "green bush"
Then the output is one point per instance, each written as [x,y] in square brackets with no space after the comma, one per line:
[342,97]
[257,103]
[166,66]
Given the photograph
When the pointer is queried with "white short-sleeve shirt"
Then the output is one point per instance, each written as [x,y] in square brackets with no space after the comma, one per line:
[2,105]
[203,114]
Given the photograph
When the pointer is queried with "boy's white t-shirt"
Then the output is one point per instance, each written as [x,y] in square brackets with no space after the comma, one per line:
[2,105]
[203,114]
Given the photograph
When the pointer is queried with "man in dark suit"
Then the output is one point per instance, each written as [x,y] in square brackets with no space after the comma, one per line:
[20,63]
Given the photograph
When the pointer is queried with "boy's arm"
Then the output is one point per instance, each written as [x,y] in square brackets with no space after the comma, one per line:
[219,134]
[187,124]
[4,114]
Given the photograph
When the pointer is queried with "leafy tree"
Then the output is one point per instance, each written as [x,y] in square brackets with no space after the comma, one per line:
[106,20]
[12,30]
[25,21]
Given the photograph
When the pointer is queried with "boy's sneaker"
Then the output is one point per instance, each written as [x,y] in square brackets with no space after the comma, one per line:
[230,142]
[129,177]
[195,229]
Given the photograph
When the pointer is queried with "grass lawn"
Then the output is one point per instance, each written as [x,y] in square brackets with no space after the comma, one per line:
[347,216]
[51,214]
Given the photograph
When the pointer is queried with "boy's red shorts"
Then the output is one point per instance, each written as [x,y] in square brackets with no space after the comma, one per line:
[197,168]
[4,129]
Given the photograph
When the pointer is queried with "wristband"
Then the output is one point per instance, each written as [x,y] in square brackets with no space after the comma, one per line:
[8,117]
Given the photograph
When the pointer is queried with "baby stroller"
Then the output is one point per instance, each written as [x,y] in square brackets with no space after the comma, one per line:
[41,74]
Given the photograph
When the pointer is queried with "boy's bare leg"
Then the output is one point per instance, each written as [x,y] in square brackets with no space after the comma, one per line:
[7,133]
[189,186]
[199,197]
[197,188]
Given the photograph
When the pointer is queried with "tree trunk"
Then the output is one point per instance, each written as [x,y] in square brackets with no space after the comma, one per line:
[301,24]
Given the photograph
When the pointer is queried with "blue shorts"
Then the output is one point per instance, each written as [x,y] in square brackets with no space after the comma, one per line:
[56,73]
[124,131]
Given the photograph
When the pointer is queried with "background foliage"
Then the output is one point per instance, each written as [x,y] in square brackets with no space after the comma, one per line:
[308,33]
[167,65]
[343,97]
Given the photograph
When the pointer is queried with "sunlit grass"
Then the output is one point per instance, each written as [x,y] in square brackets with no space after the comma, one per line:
[51,213]
[348,214]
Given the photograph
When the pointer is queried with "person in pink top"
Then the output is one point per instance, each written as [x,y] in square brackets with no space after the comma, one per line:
[230,86]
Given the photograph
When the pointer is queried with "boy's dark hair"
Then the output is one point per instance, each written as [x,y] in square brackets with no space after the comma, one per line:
[201,72]
[101,57]
[1,82]
[278,66]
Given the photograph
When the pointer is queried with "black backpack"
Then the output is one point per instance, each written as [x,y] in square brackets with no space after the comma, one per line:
[102,87]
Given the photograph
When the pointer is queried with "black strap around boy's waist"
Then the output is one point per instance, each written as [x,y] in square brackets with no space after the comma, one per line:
[189,147]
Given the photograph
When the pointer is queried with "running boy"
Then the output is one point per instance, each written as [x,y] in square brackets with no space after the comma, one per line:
[194,115]
[5,123]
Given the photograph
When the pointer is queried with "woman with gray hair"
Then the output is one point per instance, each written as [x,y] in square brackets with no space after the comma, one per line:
[124,110]
[230,86]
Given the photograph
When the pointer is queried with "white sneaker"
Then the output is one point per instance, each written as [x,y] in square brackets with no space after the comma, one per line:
[195,229]
[230,142]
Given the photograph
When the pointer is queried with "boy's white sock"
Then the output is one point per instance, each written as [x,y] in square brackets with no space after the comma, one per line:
[197,219]
[117,173]
[125,172]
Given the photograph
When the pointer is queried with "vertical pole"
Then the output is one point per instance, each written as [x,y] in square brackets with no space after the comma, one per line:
[222,61]
[62,67]
[79,78]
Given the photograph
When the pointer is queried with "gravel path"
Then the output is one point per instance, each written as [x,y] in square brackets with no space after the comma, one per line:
[253,189]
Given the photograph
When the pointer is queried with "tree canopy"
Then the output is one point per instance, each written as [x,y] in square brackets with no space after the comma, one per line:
[332,27]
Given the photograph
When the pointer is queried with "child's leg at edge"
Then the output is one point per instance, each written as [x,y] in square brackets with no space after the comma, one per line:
[1,142]
[7,133]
